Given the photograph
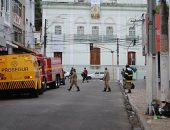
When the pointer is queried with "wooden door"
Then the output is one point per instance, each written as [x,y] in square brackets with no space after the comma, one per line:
[95,56]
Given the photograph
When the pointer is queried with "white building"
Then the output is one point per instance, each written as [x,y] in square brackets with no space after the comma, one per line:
[29,23]
[16,26]
[5,25]
[110,25]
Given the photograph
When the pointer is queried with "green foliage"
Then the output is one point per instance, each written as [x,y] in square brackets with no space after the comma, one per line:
[157,9]
[38,15]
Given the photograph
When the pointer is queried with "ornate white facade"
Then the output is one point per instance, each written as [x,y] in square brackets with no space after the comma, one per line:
[71,28]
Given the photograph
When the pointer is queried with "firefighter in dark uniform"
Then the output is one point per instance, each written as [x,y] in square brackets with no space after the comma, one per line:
[128,76]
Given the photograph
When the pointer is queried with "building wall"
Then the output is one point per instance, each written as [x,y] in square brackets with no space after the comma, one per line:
[29,23]
[69,16]
[5,25]
[18,23]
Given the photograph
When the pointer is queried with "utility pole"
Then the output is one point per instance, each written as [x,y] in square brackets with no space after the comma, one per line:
[45,37]
[164,59]
[118,77]
[151,55]
[117,40]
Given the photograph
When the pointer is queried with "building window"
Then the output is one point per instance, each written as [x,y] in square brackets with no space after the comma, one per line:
[58,55]
[80,30]
[95,30]
[132,31]
[95,56]
[131,58]
[17,34]
[2,4]
[58,30]
[109,31]
[7,5]
[17,8]
[35,40]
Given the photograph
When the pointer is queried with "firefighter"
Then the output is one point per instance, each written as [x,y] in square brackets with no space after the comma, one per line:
[73,79]
[128,75]
[106,79]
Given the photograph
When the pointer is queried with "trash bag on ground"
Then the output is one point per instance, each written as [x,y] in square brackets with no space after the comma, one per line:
[165,110]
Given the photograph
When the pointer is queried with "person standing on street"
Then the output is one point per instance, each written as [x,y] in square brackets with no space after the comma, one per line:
[85,73]
[106,79]
[73,80]
[128,75]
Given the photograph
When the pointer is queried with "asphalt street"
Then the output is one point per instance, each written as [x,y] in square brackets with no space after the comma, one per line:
[59,109]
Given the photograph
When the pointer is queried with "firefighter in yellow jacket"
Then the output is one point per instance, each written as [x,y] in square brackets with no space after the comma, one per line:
[73,80]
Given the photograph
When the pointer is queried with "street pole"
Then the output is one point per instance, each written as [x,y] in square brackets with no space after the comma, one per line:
[164,52]
[118,77]
[45,37]
[113,63]
[151,59]
[117,51]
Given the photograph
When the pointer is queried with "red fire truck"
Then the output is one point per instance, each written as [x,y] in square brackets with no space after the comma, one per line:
[51,69]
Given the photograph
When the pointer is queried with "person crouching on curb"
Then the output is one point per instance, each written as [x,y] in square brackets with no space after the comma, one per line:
[106,79]
[73,80]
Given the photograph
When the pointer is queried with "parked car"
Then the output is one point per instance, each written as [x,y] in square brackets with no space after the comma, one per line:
[66,74]
[96,75]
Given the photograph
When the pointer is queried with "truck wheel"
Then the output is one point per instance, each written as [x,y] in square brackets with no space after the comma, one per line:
[41,91]
[35,93]
[55,84]
[44,84]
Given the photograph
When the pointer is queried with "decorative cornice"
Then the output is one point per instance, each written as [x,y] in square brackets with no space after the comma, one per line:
[48,3]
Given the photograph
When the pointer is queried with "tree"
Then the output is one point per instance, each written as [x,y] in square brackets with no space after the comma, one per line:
[38,15]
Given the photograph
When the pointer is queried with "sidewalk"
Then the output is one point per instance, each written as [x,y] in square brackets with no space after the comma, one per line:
[138,100]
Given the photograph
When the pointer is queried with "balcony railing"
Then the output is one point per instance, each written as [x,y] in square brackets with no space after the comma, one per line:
[130,38]
[94,38]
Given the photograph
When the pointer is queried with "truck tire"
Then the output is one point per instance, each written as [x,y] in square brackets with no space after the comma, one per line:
[35,93]
[44,84]
[58,80]
[55,84]
[52,85]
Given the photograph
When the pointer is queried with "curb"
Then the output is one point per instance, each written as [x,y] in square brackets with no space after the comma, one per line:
[141,119]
